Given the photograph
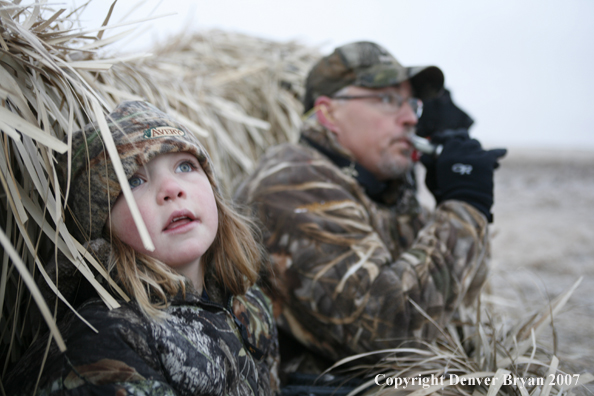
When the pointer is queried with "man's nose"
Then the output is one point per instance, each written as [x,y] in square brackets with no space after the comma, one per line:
[407,116]
[169,190]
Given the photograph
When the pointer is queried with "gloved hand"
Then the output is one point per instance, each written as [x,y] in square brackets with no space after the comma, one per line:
[463,171]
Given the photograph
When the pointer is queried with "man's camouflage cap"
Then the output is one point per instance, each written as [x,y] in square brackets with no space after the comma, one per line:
[140,132]
[366,64]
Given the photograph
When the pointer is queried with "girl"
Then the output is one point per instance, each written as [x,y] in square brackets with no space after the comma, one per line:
[195,323]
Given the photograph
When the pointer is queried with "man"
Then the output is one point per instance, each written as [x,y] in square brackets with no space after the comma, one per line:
[358,264]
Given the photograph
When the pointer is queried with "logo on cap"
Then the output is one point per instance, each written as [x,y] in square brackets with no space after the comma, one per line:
[162,132]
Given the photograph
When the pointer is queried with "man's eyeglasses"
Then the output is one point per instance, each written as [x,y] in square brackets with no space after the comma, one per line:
[391,101]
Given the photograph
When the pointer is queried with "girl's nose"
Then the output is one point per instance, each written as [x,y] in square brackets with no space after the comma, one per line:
[169,190]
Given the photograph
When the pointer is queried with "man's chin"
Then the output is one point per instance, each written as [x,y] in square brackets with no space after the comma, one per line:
[395,168]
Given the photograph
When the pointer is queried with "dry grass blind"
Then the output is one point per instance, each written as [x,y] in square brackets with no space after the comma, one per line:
[239,95]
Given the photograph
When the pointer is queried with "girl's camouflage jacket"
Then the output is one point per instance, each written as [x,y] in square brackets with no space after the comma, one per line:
[201,348]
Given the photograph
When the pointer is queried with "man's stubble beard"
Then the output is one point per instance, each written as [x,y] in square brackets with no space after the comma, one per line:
[391,166]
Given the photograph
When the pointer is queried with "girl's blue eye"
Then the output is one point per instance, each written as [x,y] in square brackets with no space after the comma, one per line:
[185,167]
[135,181]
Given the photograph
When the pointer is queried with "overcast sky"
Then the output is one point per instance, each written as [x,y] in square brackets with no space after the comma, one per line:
[521,68]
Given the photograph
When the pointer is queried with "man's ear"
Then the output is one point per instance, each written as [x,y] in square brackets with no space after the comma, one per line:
[324,110]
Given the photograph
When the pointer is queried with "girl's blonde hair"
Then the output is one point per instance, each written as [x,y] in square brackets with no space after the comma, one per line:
[234,258]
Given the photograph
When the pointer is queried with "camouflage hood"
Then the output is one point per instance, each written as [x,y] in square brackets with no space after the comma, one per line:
[140,132]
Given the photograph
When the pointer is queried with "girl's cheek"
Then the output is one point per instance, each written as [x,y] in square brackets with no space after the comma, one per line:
[122,223]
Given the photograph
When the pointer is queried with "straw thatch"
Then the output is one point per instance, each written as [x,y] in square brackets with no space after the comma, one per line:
[239,94]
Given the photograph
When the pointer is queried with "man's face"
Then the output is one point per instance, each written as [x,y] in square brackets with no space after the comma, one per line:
[374,132]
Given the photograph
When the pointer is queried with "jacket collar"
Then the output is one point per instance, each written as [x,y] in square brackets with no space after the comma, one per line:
[372,186]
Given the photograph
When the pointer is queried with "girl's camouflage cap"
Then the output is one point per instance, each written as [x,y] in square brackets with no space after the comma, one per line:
[140,132]
[366,64]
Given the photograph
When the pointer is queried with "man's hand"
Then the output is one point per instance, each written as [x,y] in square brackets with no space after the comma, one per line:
[463,171]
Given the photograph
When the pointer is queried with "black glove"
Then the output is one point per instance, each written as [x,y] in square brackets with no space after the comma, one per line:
[463,171]
[439,138]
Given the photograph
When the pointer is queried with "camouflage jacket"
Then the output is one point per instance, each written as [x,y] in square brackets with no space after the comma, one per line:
[201,348]
[353,274]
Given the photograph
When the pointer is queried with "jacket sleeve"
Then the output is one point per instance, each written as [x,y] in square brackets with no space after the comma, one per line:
[116,360]
[342,290]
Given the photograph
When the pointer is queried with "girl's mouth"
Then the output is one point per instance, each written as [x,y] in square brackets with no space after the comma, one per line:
[179,219]
[178,222]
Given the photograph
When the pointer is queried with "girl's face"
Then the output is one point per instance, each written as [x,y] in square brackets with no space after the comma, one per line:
[178,206]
